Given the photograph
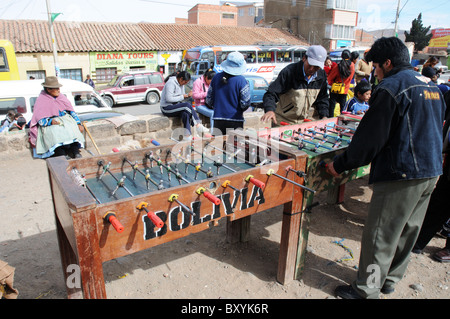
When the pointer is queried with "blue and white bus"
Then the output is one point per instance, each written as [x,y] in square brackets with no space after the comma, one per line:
[264,60]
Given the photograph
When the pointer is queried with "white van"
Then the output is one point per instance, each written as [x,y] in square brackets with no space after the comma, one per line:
[20,96]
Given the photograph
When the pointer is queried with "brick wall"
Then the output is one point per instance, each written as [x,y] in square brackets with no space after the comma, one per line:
[205,14]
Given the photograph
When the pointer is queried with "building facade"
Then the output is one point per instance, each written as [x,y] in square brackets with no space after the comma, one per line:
[106,49]
[331,23]
[206,14]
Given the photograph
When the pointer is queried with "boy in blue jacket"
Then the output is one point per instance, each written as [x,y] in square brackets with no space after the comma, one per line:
[359,105]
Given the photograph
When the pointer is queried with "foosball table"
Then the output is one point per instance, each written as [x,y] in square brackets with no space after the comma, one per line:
[108,206]
[320,141]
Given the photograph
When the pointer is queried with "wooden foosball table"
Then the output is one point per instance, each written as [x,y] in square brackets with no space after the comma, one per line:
[113,205]
[320,141]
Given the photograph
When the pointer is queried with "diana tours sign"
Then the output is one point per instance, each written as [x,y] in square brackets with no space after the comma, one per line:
[124,61]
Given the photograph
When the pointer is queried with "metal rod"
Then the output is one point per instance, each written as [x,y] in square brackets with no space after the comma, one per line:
[120,183]
[293,144]
[146,175]
[325,135]
[290,181]
[215,162]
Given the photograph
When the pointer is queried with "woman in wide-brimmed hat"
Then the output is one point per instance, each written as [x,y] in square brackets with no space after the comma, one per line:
[229,94]
[55,128]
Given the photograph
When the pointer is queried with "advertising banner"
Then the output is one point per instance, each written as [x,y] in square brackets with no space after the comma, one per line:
[440,39]
[124,61]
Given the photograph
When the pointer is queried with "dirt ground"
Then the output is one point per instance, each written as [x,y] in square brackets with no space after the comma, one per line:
[202,265]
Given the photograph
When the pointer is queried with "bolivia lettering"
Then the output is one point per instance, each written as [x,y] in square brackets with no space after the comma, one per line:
[171,219]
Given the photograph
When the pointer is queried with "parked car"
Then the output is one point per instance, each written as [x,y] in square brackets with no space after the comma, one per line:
[20,96]
[258,87]
[133,87]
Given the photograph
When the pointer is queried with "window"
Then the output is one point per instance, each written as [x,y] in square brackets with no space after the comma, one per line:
[3,61]
[228,16]
[249,56]
[140,79]
[343,4]
[284,56]
[260,84]
[221,56]
[260,12]
[16,104]
[251,11]
[241,12]
[36,74]
[307,3]
[298,55]
[265,57]
[105,74]
[172,68]
[86,98]
[73,74]
[209,56]
[294,3]
[155,78]
[128,81]
[339,32]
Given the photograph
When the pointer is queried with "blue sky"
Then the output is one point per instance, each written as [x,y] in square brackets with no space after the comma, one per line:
[380,14]
[373,15]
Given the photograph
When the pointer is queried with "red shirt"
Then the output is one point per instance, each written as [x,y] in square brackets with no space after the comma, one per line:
[327,69]
[334,76]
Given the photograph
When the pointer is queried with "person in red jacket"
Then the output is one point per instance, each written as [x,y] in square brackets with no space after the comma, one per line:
[329,64]
[341,73]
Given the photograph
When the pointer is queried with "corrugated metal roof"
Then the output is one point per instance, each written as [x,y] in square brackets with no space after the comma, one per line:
[30,36]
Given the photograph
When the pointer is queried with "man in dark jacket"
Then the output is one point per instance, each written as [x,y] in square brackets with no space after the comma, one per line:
[401,136]
[300,90]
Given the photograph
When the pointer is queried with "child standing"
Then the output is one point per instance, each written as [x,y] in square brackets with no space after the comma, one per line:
[359,105]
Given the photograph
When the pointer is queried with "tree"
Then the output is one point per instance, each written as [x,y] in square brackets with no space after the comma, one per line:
[418,34]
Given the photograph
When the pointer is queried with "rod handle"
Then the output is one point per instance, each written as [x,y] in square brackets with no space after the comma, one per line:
[111,217]
[155,219]
[215,200]
[255,182]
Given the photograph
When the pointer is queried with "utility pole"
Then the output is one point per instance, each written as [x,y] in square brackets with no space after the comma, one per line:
[52,33]
[396,19]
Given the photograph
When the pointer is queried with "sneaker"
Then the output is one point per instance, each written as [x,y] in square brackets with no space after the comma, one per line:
[387,289]
[347,292]
[201,129]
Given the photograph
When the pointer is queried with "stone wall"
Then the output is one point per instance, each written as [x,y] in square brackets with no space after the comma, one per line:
[107,135]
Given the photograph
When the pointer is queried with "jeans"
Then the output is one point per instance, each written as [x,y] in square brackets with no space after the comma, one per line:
[203,109]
